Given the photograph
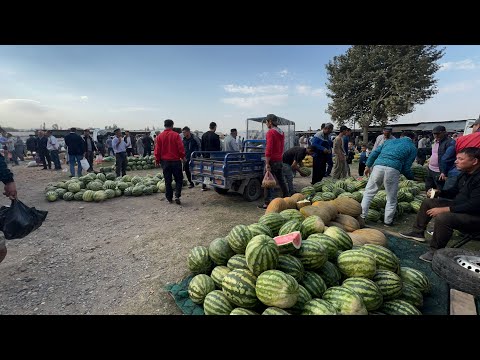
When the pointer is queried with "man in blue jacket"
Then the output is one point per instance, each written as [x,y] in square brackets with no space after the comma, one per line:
[323,146]
[437,173]
[389,160]
[76,146]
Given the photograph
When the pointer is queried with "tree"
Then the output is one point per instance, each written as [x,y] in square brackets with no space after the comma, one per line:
[375,84]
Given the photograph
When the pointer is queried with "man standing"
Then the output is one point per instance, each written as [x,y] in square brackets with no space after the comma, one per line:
[76,149]
[458,207]
[139,144]
[20,148]
[10,191]
[43,151]
[89,148]
[423,143]
[231,141]
[437,174]
[387,135]
[362,162]
[389,160]
[273,156]
[109,146]
[52,147]
[190,145]
[11,149]
[120,150]
[292,159]
[210,142]
[323,152]
[170,153]
[147,144]
[128,142]
[340,165]
[32,144]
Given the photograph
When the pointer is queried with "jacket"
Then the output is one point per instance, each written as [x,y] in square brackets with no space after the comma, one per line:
[6,175]
[211,142]
[275,144]
[321,142]
[190,145]
[169,147]
[445,144]
[465,194]
[75,144]
[396,153]
[85,146]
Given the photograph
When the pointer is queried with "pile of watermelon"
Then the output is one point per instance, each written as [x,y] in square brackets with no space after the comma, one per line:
[100,187]
[289,264]
[134,163]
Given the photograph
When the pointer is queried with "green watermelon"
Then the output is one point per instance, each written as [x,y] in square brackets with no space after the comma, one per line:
[198,260]
[273,221]
[328,243]
[411,295]
[219,251]
[239,287]
[343,240]
[319,307]
[399,307]
[238,238]
[218,273]
[88,195]
[68,196]
[357,263]
[314,284]
[242,311]
[237,262]
[199,287]
[289,227]
[416,278]
[275,288]
[74,187]
[330,274]
[345,301]
[259,229]
[312,225]
[99,196]
[386,259]
[217,303]
[303,298]
[292,214]
[389,283]
[367,290]
[261,254]
[312,254]
[291,265]
[275,311]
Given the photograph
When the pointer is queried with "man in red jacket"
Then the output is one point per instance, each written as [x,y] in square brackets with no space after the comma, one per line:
[169,152]
[273,156]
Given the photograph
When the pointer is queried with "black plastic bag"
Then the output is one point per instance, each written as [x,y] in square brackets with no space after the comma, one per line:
[18,220]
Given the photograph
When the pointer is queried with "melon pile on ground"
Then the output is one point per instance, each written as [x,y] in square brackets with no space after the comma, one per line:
[134,163]
[100,187]
[296,262]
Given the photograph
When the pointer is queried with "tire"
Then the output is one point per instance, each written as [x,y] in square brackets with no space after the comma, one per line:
[220,190]
[444,265]
[253,190]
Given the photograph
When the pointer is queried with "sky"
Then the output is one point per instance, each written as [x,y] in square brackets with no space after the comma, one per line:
[138,86]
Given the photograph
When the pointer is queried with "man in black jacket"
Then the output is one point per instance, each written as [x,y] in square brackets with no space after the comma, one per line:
[76,149]
[462,213]
[190,145]
[31,144]
[147,145]
[89,148]
[210,142]
[10,191]
[43,151]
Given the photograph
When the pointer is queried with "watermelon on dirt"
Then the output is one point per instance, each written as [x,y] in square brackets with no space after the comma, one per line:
[319,307]
[198,260]
[217,303]
[199,287]
[289,243]
[275,288]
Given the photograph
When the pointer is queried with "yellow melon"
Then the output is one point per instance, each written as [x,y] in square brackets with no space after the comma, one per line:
[349,223]
[370,236]
[276,205]
[348,206]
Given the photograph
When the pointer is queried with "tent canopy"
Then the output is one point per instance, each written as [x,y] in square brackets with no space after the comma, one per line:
[281,121]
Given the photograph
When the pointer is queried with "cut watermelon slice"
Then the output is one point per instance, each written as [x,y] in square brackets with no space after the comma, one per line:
[289,243]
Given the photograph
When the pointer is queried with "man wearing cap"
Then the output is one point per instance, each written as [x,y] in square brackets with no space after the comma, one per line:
[323,152]
[387,135]
[437,172]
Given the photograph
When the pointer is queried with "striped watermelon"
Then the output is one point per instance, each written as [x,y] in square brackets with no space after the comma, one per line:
[328,187]
[346,301]
[289,227]
[389,283]
[330,274]
[367,290]
[289,243]
[308,190]
[327,196]
[273,221]
[373,215]
[386,259]
[291,265]
[357,263]
[312,254]
[314,284]
[219,251]
[261,254]
[318,186]
[259,229]
[218,273]
[242,311]
[319,307]
[303,297]
[328,243]
[275,311]
[416,278]
[275,288]
[399,307]
[217,303]
[412,295]
[199,287]
[239,287]
[317,197]
[238,238]
[237,262]
[312,225]
[68,196]
[198,260]
[343,240]
[292,214]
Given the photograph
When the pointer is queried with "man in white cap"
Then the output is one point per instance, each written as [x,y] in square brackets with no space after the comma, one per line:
[387,135]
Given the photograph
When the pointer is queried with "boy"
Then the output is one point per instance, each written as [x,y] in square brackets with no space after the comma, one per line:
[362,161]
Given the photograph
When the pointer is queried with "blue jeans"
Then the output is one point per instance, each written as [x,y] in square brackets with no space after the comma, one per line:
[71,160]
[55,159]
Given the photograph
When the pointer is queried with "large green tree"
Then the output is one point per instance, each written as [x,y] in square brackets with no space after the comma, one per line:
[375,84]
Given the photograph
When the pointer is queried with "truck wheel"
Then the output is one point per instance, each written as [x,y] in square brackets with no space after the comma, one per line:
[459,268]
[253,190]
[220,190]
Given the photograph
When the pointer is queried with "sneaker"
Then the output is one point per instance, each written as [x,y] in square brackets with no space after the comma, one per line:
[191,186]
[414,235]
[429,232]
[178,202]
[428,256]
[204,189]
[170,201]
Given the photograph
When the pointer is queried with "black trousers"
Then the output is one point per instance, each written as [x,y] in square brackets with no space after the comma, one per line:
[130,152]
[361,168]
[121,163]
[45,155]
[432,182]
[319,167]
[173,168]
[421,156]
[89,157]
[147,151]
[445,223]
[186,168]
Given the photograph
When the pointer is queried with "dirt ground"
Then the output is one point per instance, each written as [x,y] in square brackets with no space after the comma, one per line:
[113,257]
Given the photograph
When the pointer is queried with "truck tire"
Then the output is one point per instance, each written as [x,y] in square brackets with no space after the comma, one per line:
[220,190]
[447,263]
[253,190]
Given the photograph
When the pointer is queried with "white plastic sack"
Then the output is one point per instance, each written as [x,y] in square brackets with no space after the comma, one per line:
[85,164]
[32,164]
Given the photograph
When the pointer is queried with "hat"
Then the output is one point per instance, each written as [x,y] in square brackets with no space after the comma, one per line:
[328,125]
[476,122]
[387,128]
[438,129]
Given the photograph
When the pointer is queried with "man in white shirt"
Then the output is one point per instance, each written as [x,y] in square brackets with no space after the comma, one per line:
[231,141]
[52,147]
[128,142]
[387,135]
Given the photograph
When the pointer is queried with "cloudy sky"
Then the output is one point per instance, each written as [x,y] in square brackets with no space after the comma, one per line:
[139,86]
